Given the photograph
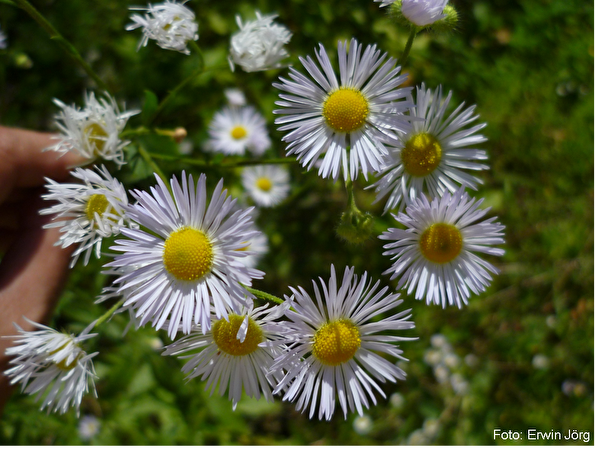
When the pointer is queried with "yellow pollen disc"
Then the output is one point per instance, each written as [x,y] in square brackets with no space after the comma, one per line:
[96,136]
[188,254]
[238,132]
[264,184]
[441,243]
[336,342]
[225,336]
[97,203]
[346,110]
[62,365]
[421,154]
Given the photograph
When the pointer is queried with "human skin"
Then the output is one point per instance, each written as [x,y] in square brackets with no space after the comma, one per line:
[32,268]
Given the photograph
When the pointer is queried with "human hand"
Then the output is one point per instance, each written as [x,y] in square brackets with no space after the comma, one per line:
[32,269]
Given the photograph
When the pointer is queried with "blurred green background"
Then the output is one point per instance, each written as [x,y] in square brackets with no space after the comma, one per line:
[519,357]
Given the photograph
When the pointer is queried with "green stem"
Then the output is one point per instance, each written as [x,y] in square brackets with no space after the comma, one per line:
[148,158]
[264,295]
[351,205]
[66,45]
[408,46]
[109,313]
[183,83]
[242,163]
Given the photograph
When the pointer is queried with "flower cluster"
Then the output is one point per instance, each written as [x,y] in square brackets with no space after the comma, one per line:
[185,252]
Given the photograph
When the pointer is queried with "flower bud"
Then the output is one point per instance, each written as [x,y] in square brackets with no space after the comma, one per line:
[355,226]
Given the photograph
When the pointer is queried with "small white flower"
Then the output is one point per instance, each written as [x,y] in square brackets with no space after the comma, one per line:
[435,254]
[324,116]
[235,97]
[432,155]
[236,353]
[259,44]
[540,361]
[3,40]
[191,262]
[459,384]
[267,185]
[336,348]
[363,425]
[234,130]
[86,213]
[424,12]
[170,24]
[88,427]
[92,131]
[46,361]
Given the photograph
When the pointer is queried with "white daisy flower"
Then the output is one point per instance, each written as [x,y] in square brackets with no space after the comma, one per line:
[170,24]
[92,131]
[424,12]
[234,130]
[192,261]
[235,354]
[435,254]
[267,185]
[433,154]
[235,97]
[326,116]
[47,361]
[336,347]
[259,44]
[88,427]
[86,213]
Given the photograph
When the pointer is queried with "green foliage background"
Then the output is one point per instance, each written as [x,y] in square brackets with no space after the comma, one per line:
[527,64]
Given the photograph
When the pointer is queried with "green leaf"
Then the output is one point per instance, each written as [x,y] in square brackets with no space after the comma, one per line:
[150,106]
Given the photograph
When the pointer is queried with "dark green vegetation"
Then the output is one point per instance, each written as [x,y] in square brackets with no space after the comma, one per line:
[527,64]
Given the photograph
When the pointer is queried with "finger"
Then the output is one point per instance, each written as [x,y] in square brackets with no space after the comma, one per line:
[23,164]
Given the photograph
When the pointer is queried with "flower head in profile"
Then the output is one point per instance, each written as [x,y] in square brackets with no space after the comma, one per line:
[436,253]
[87,212]
[336,345]
[267,185]
[433,155]
[324,116]
[170,24]
[92,132]
[234,130]
[52,363]
[259,45]
[419,12]
[236,354]
[189,261]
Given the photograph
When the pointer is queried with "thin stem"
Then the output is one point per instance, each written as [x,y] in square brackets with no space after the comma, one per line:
[408,46]
[351,205]
[110,312]
[148,158]
[264,295]
[66,45]
[242,163]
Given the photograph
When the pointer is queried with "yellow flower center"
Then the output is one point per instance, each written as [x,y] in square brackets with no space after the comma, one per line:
[188,254]
[225,336]
[346,110]
[96,137]
[441,243]
[97,203]
[264,184]
[62,365]
[421,154]
[238,132]
[336,342]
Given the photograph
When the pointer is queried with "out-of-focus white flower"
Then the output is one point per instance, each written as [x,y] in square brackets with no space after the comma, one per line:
[363,425]
[92,131]
[234,130]
[88,427]
[47,361]
[86,213]
[259,44]
[540,361]
[268,185]
[459,384]
[3,43]
[397,400]
[170,24]
[420,12]
[235,97]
